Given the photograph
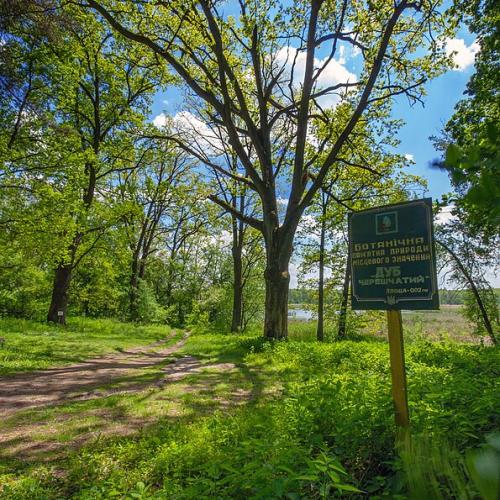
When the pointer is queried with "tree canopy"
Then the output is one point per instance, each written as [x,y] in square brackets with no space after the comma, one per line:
[259,73]
[472,134]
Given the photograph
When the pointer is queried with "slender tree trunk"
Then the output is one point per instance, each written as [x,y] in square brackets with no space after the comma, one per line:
[236,321]
[170,279]
[134,290]
[60,294]
[320,334]
[345,299]
[475,292]
[137,274]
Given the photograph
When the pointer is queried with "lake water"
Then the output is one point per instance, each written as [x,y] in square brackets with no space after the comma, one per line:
[300,314]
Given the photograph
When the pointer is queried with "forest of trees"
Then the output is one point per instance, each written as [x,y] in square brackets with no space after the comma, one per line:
[447,297]
[195,220]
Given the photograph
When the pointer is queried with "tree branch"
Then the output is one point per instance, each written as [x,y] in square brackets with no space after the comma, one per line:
[251,221]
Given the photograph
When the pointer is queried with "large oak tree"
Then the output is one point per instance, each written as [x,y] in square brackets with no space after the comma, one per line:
[262,70]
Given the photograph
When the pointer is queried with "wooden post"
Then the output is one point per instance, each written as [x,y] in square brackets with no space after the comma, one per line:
[397,355]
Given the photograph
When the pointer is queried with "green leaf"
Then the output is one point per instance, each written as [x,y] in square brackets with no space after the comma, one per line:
[453,154]
[310,477]
[348,487]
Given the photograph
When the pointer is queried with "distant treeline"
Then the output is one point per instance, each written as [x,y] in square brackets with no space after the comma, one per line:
[451,297]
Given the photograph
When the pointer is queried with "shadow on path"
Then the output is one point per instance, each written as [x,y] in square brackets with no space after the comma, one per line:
[57,385]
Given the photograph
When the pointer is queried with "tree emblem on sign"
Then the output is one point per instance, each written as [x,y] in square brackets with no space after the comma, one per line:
[386,223]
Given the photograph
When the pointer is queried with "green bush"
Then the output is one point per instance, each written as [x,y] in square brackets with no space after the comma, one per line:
[24,291]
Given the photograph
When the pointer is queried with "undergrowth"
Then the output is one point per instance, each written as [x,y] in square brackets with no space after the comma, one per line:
[327,431]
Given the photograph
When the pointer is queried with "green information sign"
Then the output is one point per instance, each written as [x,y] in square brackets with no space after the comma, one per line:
[392,257]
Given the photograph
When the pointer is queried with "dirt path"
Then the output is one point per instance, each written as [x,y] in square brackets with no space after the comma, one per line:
[39,437]
[78,381]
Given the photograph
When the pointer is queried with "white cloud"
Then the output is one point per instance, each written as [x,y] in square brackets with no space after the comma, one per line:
[463,55]
[202,137]
[333,73]
[189,125]
[445,215]
[409,157]
[342,54]
[160,120]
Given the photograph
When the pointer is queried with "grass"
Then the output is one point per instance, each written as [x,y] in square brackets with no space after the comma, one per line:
[291,419]
[446,324]
[30,345]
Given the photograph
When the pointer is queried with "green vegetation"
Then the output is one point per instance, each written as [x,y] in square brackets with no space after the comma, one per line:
[292,419]
[117,226]
[29,345]
[447,324]
[472,135]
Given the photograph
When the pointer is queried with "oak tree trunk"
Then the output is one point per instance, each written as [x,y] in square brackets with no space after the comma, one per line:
[277,277]
[276,309]
[60,294]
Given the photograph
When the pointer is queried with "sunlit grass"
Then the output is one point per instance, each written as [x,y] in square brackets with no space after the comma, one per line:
[246,428]
[31,345]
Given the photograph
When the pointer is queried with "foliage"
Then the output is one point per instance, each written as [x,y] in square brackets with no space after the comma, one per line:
[446,296]
[148,309]
[324,432]
[483,465]
[473,313]
[246,89]
[197,321]
[98,288]
[24,287]
[472,134]
[467,255]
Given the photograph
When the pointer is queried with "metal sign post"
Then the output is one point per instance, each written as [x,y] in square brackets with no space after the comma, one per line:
[393,267]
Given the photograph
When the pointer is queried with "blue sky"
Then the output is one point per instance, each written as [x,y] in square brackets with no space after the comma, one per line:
[422,122]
